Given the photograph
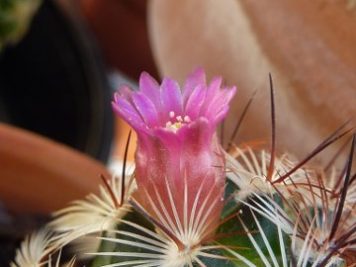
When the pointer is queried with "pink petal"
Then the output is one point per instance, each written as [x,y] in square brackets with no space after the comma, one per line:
[220,115]
[171,150]
[193,80]
[128,113]
[219,102]
[212,93]
[197,134]
[171,98]
[213,88]
[150,88]
[124,91]
[146,109]
[195,102]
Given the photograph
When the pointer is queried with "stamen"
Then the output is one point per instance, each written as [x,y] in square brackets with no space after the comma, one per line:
[176,122]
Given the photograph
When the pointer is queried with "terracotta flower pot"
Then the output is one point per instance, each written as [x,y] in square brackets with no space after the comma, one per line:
[308,46]
[38,175]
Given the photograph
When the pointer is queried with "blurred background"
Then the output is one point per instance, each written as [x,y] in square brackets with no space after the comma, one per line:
[61,61]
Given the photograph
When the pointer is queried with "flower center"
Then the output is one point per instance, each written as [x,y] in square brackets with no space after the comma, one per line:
[176,122]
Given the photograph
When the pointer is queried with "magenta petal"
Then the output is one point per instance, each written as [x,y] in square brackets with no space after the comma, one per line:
[211,94]
[195,102]
[197,134]
[193,80]
[221,114]
[170,148]
[231,93]
[214,88]
[169,139]
[146,109]
[219,103]
[150,88]
[128,113]
[124,91]
[171,97]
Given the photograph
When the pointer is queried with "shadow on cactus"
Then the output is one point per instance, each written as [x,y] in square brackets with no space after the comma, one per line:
[193,202]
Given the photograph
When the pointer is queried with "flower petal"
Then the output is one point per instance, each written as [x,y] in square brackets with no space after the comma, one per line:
[219,104]
[150,88]
[128,113]
[195,101]
[146,108]
[213,88]
[171,98]
[196,134]
[193,80]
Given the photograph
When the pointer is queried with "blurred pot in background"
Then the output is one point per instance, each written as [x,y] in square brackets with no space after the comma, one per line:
[308,46]
[39,175]
[121,31]
[54,83]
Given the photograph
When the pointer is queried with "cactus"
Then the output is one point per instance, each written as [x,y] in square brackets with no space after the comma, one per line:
[193,202]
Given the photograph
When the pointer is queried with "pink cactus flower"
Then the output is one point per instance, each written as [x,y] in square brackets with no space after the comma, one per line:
[179,162]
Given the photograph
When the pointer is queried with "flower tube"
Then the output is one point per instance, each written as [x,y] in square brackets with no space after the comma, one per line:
[180,168]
